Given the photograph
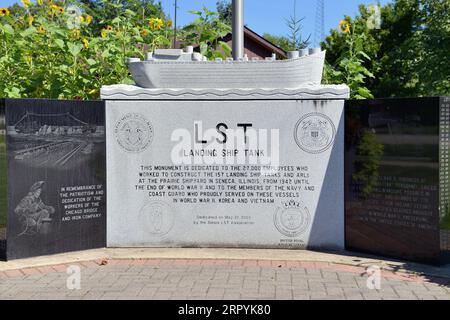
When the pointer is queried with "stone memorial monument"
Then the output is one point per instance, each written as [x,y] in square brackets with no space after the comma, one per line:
[52,177]
[231,153]
[397,177]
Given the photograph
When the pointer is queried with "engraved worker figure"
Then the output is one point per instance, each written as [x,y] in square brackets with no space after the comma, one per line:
[33,213]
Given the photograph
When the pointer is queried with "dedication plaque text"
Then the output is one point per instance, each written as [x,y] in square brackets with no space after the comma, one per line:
[225,173]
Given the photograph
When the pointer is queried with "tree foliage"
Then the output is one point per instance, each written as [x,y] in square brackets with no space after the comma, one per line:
[225,11]
[408,55]
[206,32]
[51,51]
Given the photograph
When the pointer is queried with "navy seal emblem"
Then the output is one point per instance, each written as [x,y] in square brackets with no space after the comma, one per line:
[156,218]
[292,218]
[133,132]
[314,133]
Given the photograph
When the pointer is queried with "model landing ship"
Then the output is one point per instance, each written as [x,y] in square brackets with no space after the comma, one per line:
[175,68]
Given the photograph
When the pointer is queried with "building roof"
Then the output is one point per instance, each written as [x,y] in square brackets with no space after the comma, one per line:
[249,33]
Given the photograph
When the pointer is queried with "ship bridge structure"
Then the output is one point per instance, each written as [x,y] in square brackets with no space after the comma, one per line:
[48,123]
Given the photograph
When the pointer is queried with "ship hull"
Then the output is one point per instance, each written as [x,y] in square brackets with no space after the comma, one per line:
[229,74]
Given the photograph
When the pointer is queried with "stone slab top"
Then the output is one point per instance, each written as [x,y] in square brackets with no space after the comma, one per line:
[303,92]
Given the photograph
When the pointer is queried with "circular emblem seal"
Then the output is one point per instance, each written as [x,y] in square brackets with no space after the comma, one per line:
[292,219]
[134,133]
[156,218]
[314,133]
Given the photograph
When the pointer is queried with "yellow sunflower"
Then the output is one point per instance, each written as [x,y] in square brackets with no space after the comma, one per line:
[88,19]
[144,32]
[156,23]
[40,2]
[26,3]
[41,29]
[75,33]
[57,9]
[86,43]
[104,34]
[344,26]
[30,20]
[109,28]
[4,12]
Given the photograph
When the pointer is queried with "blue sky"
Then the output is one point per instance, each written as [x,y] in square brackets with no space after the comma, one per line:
[269,16]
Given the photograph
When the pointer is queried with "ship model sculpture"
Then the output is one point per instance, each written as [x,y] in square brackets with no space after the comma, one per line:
[177,68]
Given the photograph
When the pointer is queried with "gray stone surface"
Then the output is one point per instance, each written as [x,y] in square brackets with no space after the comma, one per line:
[169,69]
[306,208]
[305,91]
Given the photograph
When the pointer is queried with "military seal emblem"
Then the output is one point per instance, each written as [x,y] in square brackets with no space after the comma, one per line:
[292,218]
[156,218]
[314,133]
[133,132]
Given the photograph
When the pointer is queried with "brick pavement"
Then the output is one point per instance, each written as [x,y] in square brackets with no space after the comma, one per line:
[215,279]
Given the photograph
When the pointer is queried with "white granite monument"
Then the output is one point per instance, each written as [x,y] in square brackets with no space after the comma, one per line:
[223,164]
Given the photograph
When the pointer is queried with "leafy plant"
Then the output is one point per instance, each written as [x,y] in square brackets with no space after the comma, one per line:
[50,51]
[369,153]
[350,67]
[206,31]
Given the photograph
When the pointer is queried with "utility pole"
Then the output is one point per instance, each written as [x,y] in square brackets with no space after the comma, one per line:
[238,29]
[175,25]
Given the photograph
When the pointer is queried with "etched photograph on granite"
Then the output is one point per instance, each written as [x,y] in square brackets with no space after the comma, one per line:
[56,191]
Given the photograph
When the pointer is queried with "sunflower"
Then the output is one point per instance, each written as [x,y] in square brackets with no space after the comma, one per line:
[344,25]
[144,32]
[169,23]
[86,43]
[57,9]
[155,23]
[103,34]
[109,28]
[30,20]
[75,33]
[40,2]
[41,29]
[26,3]
[50,1]
[88,19]
[4,12]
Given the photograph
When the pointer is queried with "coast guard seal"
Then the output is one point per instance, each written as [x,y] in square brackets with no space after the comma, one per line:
[133,132]
[292,218]
[314,133]
[156,218]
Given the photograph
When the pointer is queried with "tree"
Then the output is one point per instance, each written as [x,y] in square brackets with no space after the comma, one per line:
[280,41]
[294,39]
[295,31]
[225,11]
[408,55]
[206,31]
[107,10]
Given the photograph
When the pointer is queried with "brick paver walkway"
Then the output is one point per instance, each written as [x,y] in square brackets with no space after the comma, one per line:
[215,279]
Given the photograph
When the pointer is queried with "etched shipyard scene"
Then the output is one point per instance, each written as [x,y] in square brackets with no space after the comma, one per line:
[56,140]
[244,154]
